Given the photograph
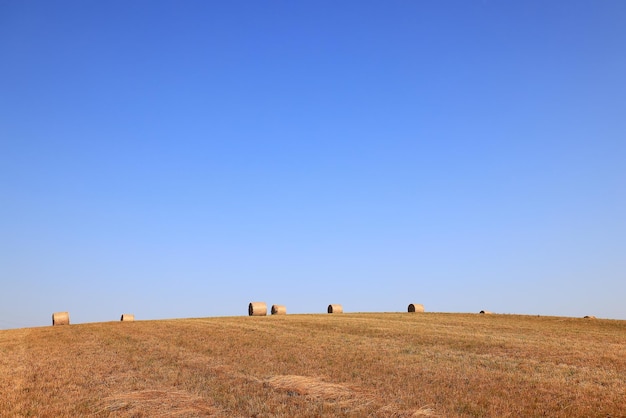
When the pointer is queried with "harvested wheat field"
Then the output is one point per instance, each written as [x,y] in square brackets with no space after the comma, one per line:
[381,365]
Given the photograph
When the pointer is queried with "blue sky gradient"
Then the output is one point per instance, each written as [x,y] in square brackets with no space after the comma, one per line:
[181,159]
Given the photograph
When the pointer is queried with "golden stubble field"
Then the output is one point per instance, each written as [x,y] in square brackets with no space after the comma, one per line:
[387,364]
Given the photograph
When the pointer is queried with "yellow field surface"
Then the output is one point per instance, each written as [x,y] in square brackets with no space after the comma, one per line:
[380,365]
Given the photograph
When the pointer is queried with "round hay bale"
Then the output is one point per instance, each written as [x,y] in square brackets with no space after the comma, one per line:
[486,312]
[335,309]
[416,307]
[257,309]
[279,310]
[60,318]
[127,317]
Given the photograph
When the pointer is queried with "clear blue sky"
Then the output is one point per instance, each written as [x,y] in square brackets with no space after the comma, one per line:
[181,159]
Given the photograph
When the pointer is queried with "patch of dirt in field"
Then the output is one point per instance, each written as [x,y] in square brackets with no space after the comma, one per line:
[157,403]
[349,397]
[311,386]
[393,411]
[314,387]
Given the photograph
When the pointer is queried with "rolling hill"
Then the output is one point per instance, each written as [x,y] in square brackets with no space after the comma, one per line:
[370,364]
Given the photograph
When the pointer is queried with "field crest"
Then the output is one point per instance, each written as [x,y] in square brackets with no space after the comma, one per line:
[394,364]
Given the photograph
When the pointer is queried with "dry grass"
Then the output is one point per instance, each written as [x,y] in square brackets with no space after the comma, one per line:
[387,365]
[151,403]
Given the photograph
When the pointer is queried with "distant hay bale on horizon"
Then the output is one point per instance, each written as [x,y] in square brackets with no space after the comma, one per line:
[279,310]
[486,312]
[257,309]
[416,307]
[335,309]
[60,318]
[127,317]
